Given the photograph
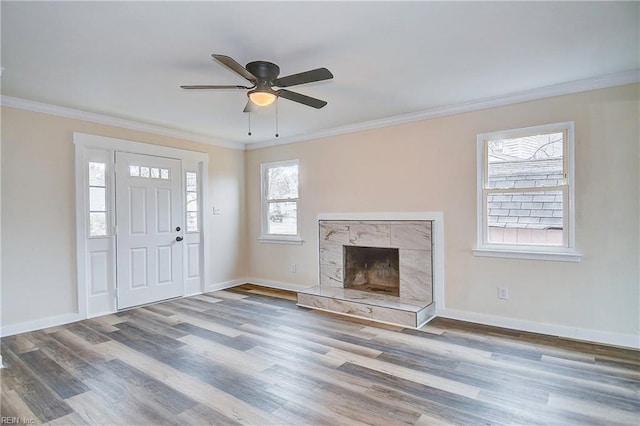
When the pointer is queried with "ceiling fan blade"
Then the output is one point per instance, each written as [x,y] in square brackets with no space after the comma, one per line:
[234,66]
[200,87]
[250,107]
[300,98]
[318,74]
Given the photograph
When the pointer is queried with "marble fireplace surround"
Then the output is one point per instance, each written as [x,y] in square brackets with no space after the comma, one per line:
[418,238]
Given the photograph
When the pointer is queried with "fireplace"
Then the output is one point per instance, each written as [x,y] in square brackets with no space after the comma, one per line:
[392,257]
[379,268]
[372,269]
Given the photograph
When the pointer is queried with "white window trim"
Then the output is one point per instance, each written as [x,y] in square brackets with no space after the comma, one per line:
[565,253]
[277,238]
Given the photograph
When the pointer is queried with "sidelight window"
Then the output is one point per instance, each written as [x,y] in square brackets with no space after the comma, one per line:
[192,202]
[97,199]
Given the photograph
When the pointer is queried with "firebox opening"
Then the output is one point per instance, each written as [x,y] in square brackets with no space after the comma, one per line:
[372,269]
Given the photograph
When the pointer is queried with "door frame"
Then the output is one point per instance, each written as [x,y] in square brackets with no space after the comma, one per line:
[87,146]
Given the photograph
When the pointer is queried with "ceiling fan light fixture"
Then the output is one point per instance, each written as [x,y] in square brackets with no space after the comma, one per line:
[262,98]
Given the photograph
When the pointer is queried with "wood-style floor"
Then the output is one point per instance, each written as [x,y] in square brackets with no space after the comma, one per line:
[250,356]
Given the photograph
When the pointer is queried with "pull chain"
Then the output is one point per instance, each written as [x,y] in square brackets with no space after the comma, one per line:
[249,123]
[277,135]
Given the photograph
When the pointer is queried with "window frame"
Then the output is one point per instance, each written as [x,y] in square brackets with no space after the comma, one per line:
[264,205]
[95,156]
[565,252]
[198,204]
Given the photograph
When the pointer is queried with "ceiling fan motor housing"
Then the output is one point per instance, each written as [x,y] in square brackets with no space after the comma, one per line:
[263,70]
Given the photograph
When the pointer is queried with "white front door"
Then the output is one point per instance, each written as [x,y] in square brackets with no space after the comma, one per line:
[149,219]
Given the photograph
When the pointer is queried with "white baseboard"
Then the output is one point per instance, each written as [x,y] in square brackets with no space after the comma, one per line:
[225,284]
[595,336]
[39,324]
[277,284]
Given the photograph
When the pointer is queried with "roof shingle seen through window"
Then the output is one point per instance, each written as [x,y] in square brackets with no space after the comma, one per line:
[540,210]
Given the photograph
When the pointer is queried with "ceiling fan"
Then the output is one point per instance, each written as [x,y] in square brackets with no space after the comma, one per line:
[263,76]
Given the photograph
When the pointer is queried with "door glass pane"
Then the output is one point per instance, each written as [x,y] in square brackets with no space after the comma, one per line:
[282,218]
[192,196]
[282,182]
[97,199]
[192,182]
[134,170]
[192,221]
[192,206]
[192,201]
[532,217]
[526,162]
[97,224]
[144,172]
[155,173]
[164,173]
[96,174]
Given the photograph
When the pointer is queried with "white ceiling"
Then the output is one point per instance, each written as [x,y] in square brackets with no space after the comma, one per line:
[127,59]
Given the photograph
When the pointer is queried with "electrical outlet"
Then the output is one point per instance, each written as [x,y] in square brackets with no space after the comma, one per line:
[293,268]
[503,293]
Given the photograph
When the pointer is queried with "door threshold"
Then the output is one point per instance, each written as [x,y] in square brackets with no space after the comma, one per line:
[149,304]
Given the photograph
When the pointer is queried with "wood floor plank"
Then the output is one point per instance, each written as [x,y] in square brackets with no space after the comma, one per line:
[20,343]
[205,394]
[330,342]
[488,412]
[85,330]
[208,324]
[151,322]
[232,358]
[73,419]
[372,410]
[237,343]
[12,406]
[139,332]
[601,411]
[80,347]
[633,375]
[53,375]
[439,411]
[248,355]
[43,402]
[68,359]
[203,415]
[406,373]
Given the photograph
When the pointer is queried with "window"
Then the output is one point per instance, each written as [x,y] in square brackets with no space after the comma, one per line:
[280,201]
[192,202]
[97,200]
[525,193]
[148,172]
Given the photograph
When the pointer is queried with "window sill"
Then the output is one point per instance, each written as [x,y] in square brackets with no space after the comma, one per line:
[276,239]
[558,256]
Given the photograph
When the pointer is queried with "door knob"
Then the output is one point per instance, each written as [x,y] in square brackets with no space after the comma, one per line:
[177,228]
[179,239]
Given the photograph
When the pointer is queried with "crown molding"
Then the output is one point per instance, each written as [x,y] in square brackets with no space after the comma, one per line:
[602,82]
[24,104]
